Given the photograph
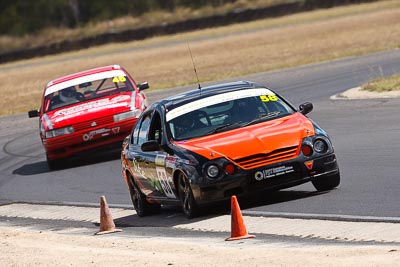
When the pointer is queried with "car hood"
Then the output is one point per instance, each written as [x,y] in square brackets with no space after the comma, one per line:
[259,138]
[89,110]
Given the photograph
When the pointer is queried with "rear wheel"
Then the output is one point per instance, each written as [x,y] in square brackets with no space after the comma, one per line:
[327,182]
[142,207]
[189,206]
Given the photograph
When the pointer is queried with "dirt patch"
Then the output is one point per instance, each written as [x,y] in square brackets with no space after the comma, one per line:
[28,247]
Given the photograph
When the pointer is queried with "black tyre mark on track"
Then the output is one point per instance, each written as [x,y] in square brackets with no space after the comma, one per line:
[8,151]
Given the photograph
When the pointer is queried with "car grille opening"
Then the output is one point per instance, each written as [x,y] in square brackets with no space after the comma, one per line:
[259,160]
[93,123]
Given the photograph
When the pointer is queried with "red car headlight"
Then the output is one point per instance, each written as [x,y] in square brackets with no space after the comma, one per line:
[127,115]
[59,132]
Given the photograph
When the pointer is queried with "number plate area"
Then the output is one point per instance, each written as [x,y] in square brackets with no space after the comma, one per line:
[284,172]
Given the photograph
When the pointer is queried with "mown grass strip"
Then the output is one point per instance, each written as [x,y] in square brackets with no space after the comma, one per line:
[383,84]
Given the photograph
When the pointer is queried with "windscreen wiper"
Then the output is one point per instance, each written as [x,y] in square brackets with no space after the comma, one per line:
[225,127]
[262,117]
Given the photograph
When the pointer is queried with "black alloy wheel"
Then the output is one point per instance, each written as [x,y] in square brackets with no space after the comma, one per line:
[142,207]
[189,206]
[326,183]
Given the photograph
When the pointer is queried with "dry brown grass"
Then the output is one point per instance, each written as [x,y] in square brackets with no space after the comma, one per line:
[383,84]
[276,43]
[50,35]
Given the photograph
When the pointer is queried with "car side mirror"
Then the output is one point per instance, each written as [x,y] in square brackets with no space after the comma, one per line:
[33,113]
[151,145]
[306,108]
[142,86]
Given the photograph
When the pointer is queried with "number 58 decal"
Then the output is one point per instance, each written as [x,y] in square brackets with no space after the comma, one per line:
[267,98]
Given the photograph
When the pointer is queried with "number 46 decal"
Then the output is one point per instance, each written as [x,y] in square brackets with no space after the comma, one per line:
[119,79]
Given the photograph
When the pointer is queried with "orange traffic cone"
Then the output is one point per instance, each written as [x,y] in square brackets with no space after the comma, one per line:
[107,225]
[238,229]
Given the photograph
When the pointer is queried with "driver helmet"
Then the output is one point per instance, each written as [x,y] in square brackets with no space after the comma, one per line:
[183,124]
[186,121]
[68,94]
[246,108]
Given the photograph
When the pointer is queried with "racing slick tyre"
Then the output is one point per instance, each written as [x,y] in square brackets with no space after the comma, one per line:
[53,164]
[142,207]
[189,206]
[327,183]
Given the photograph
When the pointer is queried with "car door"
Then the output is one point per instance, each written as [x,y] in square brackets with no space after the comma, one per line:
[149,166]
[136,157]
[161,160]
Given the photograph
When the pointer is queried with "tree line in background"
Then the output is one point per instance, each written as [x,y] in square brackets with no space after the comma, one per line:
[19,17]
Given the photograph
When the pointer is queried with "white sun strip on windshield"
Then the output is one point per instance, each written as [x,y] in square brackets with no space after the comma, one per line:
[216,99]
[88,78]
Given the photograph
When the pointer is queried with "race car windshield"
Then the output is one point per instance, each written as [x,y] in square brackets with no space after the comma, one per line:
[86,91]
[188,122]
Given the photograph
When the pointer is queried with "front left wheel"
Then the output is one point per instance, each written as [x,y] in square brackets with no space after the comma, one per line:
[142,207]
[327,183]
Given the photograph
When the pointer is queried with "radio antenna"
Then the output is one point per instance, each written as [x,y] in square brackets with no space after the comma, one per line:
[194,67]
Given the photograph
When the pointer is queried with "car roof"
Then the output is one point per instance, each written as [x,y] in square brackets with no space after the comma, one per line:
[208,91]
[84,73]
[84,76]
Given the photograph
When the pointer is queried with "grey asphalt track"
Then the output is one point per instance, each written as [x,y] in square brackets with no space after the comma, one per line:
[364,132]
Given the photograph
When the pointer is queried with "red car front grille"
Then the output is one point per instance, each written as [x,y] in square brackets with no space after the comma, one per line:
[259,160]
[93,123]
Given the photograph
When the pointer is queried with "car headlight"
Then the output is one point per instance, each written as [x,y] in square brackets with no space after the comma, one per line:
[315,144]
[212,171]
[127,115]
[59,132]
[320,146]
[218,168]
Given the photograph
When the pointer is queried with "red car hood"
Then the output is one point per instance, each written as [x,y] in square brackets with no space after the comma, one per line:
[255,139]
[89,110]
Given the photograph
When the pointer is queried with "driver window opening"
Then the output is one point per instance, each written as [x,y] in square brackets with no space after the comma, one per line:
[155,129]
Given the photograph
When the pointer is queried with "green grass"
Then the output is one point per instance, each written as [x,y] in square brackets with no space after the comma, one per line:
[383,84]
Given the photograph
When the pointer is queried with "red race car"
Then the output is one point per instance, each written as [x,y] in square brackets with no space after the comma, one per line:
[87,110]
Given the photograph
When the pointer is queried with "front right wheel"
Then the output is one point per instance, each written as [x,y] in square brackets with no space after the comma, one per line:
[189,206]
[53,164]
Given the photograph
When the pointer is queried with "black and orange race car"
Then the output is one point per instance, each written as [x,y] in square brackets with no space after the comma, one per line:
[206,145]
